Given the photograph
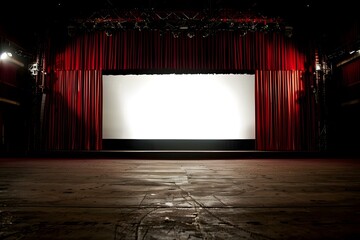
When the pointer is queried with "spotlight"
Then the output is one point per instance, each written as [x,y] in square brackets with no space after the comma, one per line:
[108,32]
[205,34]
[34,69]
[175,34]
[5,55]
[191,34]
[8,57]
[71,30]
[137,26]
[288,31]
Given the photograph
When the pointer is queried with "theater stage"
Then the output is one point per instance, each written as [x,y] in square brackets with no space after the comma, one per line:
[43,197]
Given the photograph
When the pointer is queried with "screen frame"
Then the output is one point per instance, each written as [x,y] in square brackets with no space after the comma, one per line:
[177,144]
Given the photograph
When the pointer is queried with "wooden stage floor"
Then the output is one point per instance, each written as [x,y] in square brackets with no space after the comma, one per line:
[150,199]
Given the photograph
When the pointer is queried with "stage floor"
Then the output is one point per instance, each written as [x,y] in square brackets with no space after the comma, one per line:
[179,199]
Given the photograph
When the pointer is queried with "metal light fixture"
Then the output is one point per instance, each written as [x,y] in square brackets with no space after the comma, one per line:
[8,57]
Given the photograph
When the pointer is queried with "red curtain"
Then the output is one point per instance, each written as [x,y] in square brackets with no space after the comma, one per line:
[8,74]
[351,72]
[149,50]
[74,112]
[74,103]
[282,113]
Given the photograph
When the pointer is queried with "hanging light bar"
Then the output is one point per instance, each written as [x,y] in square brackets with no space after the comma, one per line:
[177,21]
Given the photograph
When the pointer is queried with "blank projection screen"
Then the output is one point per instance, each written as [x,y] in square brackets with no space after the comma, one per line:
[179,106]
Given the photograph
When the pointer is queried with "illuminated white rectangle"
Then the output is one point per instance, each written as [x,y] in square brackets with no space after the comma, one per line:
[179,106]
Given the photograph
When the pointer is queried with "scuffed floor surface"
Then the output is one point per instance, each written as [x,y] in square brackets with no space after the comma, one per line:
[179,199]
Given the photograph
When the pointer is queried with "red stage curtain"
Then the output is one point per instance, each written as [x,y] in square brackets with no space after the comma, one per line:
[77,64]
[149,50]
[74,105]
[351,73]
[8,74]
[282,116]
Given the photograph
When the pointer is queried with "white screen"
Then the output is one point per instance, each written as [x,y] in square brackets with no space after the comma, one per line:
[179,106]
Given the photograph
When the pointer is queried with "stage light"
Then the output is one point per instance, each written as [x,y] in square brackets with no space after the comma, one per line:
[191,34]
[180,21]
[34,69]
[5,55]
[205,34]
[175,34]
[288,31]
[108,33]
[8,57]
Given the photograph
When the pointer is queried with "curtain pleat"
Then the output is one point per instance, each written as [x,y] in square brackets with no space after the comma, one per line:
[350,72]
[74,111]
[283,112]
[278,110]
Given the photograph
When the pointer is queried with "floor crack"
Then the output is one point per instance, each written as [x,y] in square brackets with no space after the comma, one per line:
[252,234]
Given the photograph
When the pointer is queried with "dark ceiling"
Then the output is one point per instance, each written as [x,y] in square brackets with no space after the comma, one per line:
[24,22]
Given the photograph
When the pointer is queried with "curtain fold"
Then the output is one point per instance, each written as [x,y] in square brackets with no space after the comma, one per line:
[351,72]
[74,103]
[150,50]
[282,114]
[74,111]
